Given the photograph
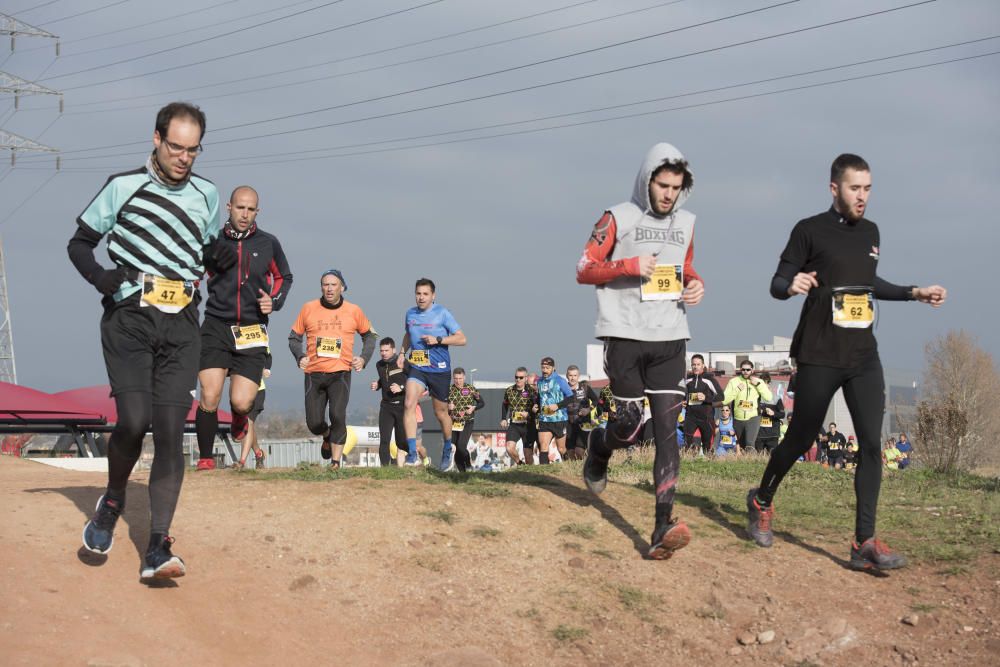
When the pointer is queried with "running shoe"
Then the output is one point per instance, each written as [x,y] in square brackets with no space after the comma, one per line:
[99,533]
[668,538]
[595,467]
[238,427]
[875,554]
[759,520]
[206,464]
[325,450]
[259,459]
[447,459]
[426,461]
[159,563]
[411,460]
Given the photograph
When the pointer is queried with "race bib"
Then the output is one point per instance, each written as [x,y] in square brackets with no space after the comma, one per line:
[727,439]
[254,335]
[419,358]
[765,422]
[520,417]
[665,284]
[746,405]
[692,400]
[168,296]
[457,426]
[587,426]
[853,311]
[328,348]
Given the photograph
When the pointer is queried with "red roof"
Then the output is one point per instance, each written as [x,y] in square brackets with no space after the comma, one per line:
[24,404]
[98,399]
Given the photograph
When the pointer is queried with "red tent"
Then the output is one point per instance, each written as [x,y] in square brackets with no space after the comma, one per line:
[20,405]
[98,399]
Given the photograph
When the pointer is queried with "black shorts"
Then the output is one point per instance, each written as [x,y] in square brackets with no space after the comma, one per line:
[438,384]
[218,350]
[637,367]
[150,351]
[558,429]
[525,432]
[258,405]
[577,437]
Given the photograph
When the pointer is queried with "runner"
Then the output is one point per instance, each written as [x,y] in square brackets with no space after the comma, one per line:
[771,415]
[640,258]
[162,224]
[745,393]
[554,394]
[250,441]
[727,434]
[234,337]
[463,401]
[702,391]
[832,258]
[581,423]
[520,404]
[392,382]
[430,329]
[327,359]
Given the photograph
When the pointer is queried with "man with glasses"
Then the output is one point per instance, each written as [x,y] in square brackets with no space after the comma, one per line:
[745,393]
[162,226]
[554,395]
[328,326]
[234,336]
[832,259]
[520,405]
[640,258]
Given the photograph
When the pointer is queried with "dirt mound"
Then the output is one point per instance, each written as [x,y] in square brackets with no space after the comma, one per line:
[527,570]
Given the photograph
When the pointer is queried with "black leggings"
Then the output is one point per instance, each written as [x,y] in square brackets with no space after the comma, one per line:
[864,390]
[463,461]
[390,420]
[331,389]
[135,414]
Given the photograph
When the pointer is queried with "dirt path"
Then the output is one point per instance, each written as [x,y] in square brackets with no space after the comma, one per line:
[353,572]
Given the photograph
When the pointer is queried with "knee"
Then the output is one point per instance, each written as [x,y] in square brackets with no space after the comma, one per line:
[628,420]
[132,426]
[316,426]
[240,406]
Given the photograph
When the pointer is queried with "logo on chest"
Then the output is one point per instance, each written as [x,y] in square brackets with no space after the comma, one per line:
[653,235]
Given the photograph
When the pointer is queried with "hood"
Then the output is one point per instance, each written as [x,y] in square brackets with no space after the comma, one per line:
[656,156]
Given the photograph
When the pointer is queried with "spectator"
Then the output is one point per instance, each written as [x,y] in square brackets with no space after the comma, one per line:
[727,434]
[890,455]
[905,449]
[836,447]
[850,453]
[771,415]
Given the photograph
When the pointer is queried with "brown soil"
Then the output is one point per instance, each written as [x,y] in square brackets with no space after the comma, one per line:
[352,572]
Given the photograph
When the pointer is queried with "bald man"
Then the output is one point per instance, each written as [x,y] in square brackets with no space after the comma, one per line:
[234,336]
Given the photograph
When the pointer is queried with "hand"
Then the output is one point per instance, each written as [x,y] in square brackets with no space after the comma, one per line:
[429,339]
[303,362]
[357,364]
[700,396]
[264,302]
[550,409]
[693,293]
[769,411]
[503,424]
[469,410]
[374,385]
[224,256]
[108,282]
[395,388]
[451,406]
[933,295]
[647,264]
[400,360]
[534,408]
[802,283]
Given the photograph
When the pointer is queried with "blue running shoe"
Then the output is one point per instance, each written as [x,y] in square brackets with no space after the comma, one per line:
[447,459]
[159,562]
[99,533]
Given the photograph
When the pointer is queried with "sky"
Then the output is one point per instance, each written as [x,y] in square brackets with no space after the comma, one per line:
[476,143]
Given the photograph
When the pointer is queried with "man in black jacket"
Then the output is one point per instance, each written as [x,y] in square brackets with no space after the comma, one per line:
[701,391]
[771,415]
[392,381]
[234,337]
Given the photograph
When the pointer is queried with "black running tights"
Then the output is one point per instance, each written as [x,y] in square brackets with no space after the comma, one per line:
[864,390]
[390,421]
[135,415]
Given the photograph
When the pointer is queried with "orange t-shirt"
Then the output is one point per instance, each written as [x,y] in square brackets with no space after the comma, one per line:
[330,334]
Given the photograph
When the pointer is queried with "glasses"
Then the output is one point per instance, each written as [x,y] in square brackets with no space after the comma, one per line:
[520,377]
[177,149]
[746,370]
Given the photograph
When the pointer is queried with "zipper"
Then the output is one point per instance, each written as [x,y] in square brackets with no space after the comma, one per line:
[239,277]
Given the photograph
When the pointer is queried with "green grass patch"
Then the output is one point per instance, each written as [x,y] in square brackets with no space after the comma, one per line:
[604,553]
[923,607]
[568,633]
[637,600]
[584,530]
[444,516]
[485,531]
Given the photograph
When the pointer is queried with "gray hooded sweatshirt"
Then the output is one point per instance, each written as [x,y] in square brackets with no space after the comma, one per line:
[620,312]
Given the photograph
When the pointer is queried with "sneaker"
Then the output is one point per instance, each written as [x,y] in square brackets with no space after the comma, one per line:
[447,459]
[99,533]
[238,427]
[759,520]
[259,460]
[875,554]
[206,464]
[159,563]
[595,472]
[426,461]
[325,450]
[668,538]
[411,460]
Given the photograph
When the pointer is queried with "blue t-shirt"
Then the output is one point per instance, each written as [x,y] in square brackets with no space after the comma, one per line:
[551,390]
[435,321]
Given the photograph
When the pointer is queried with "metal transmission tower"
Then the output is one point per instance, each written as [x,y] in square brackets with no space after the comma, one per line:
[8,370]
[11,26]
[14,84]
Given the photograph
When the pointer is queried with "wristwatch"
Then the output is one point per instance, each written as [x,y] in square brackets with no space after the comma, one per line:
[440,339]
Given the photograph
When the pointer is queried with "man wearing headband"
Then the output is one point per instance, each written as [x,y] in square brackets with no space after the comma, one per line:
[328,326]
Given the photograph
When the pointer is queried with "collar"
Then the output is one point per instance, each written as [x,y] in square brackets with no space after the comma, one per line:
[160,178]
[326,305]
[232,233]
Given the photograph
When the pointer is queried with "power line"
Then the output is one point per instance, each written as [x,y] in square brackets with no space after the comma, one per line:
[291,156]
[239,53]
[29,197]
[364,70]
[31,9]
[89,11]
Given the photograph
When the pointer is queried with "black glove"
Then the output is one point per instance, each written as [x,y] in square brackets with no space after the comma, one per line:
[220,256]
[108,282]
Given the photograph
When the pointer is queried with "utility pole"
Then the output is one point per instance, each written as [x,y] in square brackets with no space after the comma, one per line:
[17,86]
